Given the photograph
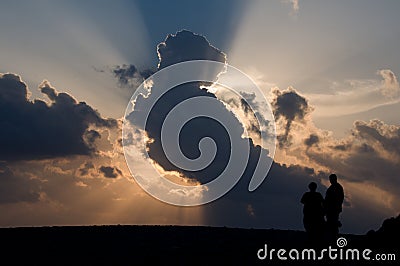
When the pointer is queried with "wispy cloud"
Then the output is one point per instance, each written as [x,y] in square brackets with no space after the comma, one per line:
[357,95]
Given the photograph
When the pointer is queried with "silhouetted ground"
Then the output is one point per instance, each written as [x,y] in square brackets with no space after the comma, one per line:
[172,245]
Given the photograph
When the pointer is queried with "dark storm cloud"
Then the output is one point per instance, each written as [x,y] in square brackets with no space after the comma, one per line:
[130,76]
[290,106]
[110,172]
[14,188]
[186,46]
[35,130]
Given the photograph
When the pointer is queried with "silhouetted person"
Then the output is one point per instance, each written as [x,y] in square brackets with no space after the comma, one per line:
[333,206]
[313,211]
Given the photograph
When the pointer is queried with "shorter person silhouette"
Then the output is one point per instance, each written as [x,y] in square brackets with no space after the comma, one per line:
[333,206]
[313,211]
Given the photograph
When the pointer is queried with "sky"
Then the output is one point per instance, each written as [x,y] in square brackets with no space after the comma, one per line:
[329,71]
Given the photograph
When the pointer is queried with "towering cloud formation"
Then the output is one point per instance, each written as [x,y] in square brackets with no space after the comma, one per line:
[34,130]
[179,48]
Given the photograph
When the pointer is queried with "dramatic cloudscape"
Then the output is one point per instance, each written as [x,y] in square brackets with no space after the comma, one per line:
[68,70]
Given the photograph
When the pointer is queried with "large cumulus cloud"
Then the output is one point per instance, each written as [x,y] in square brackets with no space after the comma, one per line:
[37,129]
[178,48]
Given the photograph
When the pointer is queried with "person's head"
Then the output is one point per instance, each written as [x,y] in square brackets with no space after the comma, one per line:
[333,179]
[312,186]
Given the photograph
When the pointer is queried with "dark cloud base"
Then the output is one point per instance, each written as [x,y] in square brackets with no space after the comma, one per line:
[37,130]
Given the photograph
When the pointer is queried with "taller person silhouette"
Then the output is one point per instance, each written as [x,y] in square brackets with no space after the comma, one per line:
[333,206]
